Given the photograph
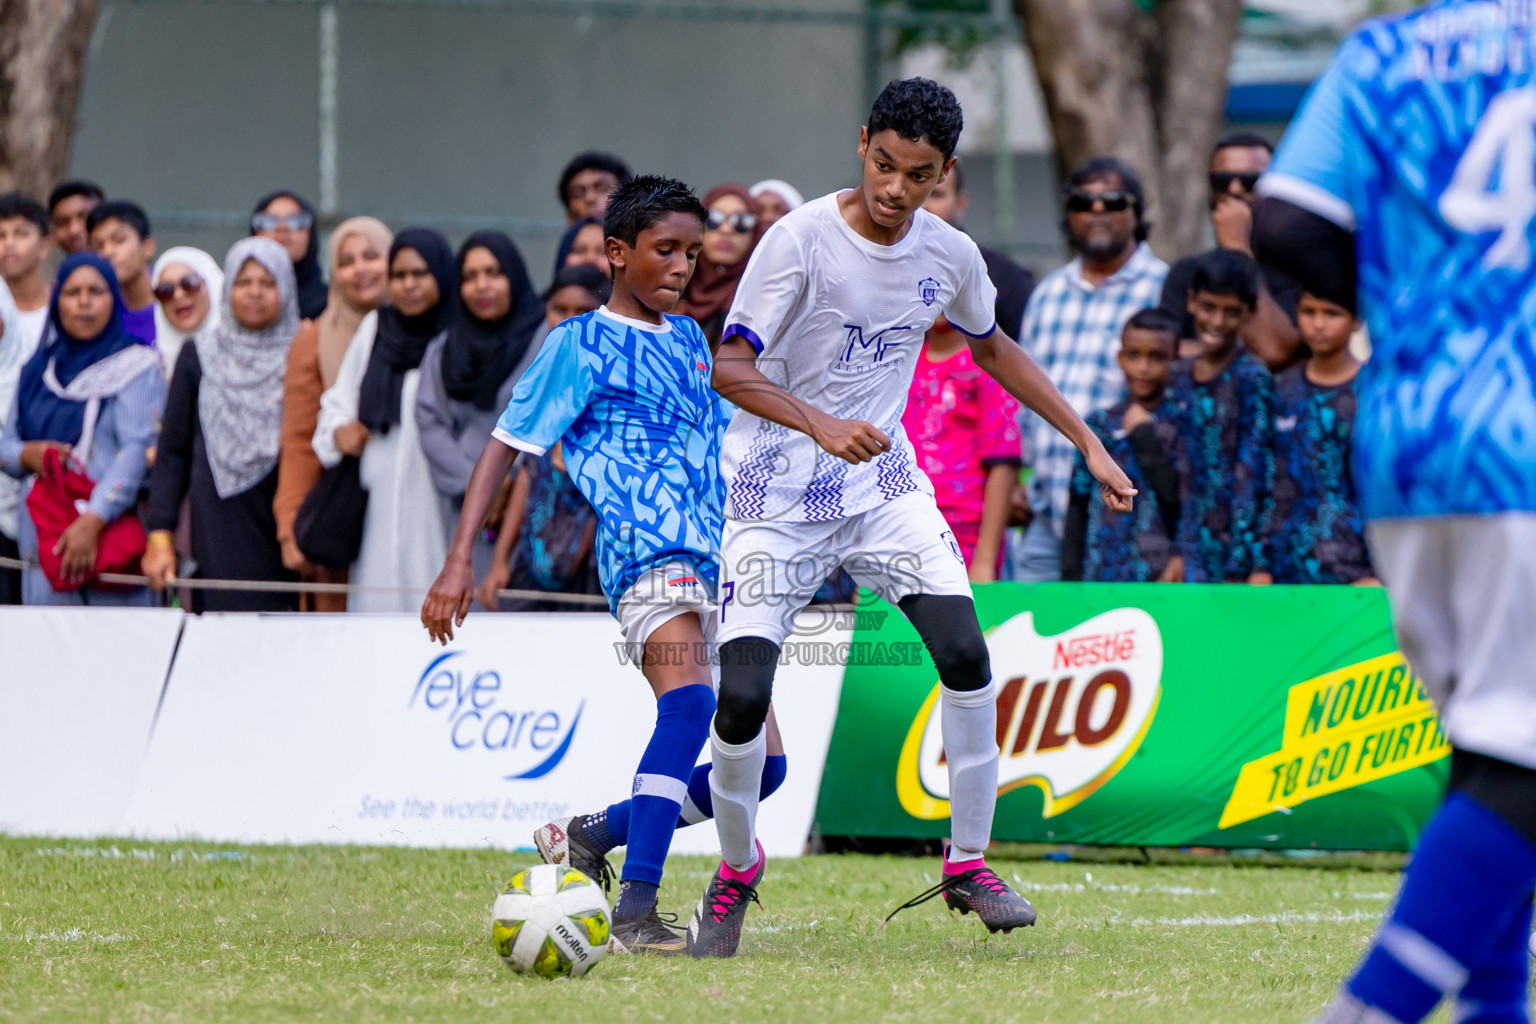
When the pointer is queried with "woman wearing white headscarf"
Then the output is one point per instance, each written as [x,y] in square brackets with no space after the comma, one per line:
[774,199]
[223,424]
[16,347]
[187,284]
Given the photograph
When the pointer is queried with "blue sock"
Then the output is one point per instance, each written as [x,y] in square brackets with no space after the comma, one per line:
[1469,881]
[636,898]
[1495,991]
[661,780]
[699,806]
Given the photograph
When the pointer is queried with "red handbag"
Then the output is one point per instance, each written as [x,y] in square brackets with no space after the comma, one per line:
[58,497]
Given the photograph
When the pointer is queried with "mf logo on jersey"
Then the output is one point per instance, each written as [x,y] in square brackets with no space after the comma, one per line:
[1071,710]
[876,345]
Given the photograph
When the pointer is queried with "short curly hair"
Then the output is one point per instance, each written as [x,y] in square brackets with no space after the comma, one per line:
[919,109]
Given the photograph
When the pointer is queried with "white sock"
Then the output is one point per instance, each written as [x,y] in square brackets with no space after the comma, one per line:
[969,727]
[734,783]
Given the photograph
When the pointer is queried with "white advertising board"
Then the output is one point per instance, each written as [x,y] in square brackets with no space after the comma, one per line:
[78,692]
[354,729]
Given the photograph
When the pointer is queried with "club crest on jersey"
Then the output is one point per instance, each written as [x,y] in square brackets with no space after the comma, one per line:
[928,290]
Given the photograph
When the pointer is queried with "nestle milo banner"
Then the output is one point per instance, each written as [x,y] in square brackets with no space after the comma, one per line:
[1153,715]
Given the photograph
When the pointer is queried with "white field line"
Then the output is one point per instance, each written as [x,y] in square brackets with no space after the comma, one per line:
[1239,920]
[72,935]
[1134,890]
[135,853]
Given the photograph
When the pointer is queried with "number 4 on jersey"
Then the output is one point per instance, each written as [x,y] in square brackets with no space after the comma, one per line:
[1494,185]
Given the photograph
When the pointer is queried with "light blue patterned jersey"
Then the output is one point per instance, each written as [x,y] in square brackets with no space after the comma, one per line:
[1421,138]
[641,427]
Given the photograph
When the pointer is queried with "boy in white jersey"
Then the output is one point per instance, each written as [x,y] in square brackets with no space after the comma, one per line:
[817,354]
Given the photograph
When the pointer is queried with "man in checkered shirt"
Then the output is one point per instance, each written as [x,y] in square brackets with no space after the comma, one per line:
[1072,329]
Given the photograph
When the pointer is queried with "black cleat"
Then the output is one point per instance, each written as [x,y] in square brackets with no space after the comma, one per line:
[980,890]
[563,841]
[716,926]
[649,933]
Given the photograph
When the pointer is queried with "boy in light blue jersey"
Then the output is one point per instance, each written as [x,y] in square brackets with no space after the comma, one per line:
[626,392]
[1409,169]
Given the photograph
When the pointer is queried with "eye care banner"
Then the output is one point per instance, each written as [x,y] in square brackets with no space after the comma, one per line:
[78,692]
[1154,715]
[355,729]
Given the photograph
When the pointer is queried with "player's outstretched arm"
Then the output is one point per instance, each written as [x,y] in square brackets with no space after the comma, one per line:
[739,381]
[454,591]
[1009,365]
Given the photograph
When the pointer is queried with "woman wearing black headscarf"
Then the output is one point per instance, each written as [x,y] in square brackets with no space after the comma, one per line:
[288,219]
[468,375]
[369,413]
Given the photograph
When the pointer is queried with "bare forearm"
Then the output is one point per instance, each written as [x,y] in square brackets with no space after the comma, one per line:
[994,513]
[1021,377]
[739,381]
[1271,335]
[484,484]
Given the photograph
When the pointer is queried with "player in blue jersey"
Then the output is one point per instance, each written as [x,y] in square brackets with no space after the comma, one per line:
[1409,173]
[626,391]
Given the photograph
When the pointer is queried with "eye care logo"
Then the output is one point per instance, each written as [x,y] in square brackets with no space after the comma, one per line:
[1071,712]
[532,741]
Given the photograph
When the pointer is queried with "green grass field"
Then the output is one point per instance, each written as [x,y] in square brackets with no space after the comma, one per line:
[137,931]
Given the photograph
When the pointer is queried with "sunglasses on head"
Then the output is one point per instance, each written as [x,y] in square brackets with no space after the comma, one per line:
[741,223]
[1114,202]
[1221,181]
[300,221]
[166,290]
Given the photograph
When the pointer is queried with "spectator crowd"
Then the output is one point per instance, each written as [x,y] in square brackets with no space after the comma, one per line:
[282,417]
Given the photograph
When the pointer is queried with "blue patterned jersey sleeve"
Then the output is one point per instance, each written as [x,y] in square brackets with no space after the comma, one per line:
[551,394]
[1253,499]
[1322,163]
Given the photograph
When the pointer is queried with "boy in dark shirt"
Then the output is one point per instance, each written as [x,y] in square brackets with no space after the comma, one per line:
[1098,543]
[1317,534]
[1225,403]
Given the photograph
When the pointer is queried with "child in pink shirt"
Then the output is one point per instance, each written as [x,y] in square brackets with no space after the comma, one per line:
[964,429]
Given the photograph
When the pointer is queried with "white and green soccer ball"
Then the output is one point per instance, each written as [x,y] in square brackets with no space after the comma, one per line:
[551,921]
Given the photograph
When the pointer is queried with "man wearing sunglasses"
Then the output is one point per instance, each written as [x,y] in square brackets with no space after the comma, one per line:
[1272,334]
[1072,327]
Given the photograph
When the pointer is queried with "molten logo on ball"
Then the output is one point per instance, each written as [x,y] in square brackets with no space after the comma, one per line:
[1071,710]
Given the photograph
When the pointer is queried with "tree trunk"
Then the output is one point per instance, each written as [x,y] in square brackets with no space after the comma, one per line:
[42,65]
[1147,88]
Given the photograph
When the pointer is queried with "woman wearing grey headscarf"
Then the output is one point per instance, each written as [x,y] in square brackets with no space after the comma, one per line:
[219,444]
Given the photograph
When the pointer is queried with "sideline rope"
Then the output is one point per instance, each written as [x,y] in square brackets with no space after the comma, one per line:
[285,587]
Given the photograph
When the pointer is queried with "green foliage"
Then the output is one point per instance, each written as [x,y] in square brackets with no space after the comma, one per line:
[195,933]
[937,23]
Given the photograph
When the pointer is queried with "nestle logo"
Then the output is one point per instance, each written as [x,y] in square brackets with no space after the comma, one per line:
[1096,649]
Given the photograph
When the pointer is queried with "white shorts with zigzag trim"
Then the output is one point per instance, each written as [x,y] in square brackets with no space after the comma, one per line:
[771,570]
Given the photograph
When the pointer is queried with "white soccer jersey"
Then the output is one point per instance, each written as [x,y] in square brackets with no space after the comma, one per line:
[838,322]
